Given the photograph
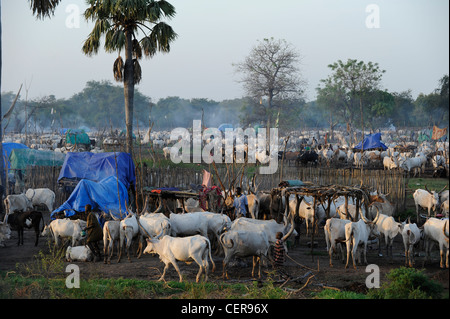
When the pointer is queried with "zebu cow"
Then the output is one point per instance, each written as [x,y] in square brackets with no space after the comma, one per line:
[21,220]
[387,226]
[65,228]
[78,253]
[19,202]
[335,234]
[170,249]
[41,196]
[129,230]
[426,199]
[188,224]
[357,233]
[111,234]
[437,231]
[411,235]
[244,243]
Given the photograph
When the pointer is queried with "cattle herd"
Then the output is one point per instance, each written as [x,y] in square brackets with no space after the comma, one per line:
[195,233]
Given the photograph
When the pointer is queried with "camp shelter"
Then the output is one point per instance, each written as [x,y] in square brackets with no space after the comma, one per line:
[76,137]
[108,195]
[371,141]
[8,148]
[24,157]
[96,167]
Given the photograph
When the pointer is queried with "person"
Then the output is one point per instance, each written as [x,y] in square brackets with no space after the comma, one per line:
[94,232]
[240,203]
[279,256]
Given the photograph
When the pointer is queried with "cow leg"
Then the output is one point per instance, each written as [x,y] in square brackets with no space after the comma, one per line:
[174,263]
[200,264]
[164,271]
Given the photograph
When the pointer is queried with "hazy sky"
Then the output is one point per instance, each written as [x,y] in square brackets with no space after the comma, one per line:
[411,42]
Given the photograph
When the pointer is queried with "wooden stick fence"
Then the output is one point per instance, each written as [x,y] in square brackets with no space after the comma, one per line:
[386,182]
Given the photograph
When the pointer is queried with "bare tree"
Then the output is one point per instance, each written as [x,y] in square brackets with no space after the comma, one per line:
[271,73]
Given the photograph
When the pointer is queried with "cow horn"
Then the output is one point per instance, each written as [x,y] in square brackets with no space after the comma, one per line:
[142,228]
[442,189]
[426,188]
[443,229]
[376,217]
[289,233]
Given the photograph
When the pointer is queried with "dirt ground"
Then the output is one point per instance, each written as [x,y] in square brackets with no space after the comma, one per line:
[300,265]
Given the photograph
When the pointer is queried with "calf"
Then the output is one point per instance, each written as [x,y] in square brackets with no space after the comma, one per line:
[436,231]
[28,219]
[411,236]
[78,253]
[244,244]
[170,249]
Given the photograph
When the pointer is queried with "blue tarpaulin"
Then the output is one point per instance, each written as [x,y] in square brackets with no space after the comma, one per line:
[371,141]
[102,195]
[96,167]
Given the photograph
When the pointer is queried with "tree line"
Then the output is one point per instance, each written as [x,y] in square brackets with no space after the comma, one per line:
[100,106]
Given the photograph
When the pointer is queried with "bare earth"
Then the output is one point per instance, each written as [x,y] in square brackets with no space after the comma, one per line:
[299,263]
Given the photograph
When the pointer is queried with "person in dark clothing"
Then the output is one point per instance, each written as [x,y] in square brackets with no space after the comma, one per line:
[279,256]
[94,233]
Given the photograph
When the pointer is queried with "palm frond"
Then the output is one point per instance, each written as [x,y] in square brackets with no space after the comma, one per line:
[137,72]
[137,51]
[44,8]
[118,69]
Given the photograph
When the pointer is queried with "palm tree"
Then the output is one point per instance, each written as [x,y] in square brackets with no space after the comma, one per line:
[121,22]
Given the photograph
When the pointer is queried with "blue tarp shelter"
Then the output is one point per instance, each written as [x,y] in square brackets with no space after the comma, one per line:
[7,149]
[96,167]
[224,126]
[371,141]
[102,195]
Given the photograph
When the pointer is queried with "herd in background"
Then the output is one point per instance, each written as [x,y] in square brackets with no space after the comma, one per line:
[193,234]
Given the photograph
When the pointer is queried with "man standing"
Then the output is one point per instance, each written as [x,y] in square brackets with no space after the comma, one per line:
[240,204]
[95,233]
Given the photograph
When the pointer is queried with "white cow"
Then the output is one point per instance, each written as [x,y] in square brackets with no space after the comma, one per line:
[78,253]
[128,230]
[306,212]
[389,228]
[244,243]
[170,249]
[18,202]
[390,162]
[436,231]
[41,196]
[411,237]
[357,233]
[269,227]
[111,234]
[426,199]
[188,224]
[65,228]
[335,234]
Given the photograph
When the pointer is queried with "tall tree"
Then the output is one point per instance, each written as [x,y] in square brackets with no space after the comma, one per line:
[121,22]
[349,83]
[271,71]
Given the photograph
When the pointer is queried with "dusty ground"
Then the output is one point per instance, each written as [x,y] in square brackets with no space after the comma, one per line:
[150,268]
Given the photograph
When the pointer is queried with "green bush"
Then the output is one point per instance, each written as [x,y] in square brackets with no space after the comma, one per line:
[407,283]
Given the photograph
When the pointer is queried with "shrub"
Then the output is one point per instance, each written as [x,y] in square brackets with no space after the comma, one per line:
[407,283]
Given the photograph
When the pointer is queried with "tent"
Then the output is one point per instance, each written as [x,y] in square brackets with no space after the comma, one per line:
[23,157]
[8,148]
[371,141]
[104,195]
[96,167]
[77,136]
[223,127]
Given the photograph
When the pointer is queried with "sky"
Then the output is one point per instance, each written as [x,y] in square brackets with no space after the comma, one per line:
[407,38]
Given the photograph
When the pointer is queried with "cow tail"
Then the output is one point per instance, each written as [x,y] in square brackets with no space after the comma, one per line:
[209,252]
[224,244]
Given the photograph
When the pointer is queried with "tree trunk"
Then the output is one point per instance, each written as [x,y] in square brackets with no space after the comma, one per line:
[2,165]
[128,88]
